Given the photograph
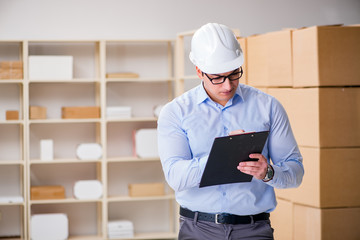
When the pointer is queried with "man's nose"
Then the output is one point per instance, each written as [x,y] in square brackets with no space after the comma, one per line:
[226,84]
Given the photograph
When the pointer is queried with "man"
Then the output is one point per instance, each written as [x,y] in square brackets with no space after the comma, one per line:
[220,106]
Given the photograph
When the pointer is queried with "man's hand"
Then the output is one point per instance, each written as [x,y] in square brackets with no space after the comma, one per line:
[236,132]
[257,169]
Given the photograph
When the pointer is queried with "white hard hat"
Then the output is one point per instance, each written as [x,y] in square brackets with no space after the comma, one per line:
[215,49]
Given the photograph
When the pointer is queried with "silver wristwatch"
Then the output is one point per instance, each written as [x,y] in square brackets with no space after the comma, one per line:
[269,173]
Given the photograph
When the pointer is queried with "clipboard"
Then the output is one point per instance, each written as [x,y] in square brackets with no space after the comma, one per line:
[226,154]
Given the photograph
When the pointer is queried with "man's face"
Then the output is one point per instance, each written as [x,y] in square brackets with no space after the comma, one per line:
[223,92]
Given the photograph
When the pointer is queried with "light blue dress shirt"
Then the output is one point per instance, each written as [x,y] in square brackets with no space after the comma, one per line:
[187,127]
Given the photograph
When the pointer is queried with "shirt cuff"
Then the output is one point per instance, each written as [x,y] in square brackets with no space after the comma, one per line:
[277,173]
[202,164]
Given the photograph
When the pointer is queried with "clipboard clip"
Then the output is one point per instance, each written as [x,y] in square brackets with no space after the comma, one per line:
[242,134]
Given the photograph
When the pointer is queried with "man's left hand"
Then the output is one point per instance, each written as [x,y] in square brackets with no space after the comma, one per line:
[257,169]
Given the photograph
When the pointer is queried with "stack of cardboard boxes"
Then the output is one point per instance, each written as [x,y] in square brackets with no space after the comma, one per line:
[315,73]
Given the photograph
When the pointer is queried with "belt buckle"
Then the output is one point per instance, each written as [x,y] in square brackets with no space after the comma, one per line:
[216,218]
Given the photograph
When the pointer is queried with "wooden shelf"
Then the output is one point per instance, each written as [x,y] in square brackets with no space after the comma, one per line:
[132,199]
[60,201]
[12,204]
[85,238]
[132,159]
[45,121]
[151,235]
[140,80]
[62,161]
[11,162]
[11,122]
[133,119]
[155,235]
[75,80]
[11,81]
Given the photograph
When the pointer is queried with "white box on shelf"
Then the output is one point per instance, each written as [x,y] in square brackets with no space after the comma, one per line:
[88,189]
[51,226]
[118,112]
[120,229]
[46,150]
[50,67]
[146,143]
[89,151]
[11,199]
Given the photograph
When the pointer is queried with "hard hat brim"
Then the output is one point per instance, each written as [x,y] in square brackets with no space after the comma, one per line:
[219,68]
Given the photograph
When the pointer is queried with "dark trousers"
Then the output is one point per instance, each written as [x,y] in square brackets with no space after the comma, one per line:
[192,229]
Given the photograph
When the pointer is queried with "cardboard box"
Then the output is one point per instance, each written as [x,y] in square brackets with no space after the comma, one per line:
[269,59]
[50,67]
[146,189]
[12,115]
[322,117]
[326,56]
[11,73]
[4,73]
[243,44]
[47,192]
[11,65]
[326,224]
[37,112]
[122,75]
[16,74]
[80,112]
[282,220]
[330,178]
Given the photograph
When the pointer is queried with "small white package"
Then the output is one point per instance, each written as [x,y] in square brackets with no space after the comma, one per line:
[89,151]
[118,112]
[46,150]
[146,143]
[88,189]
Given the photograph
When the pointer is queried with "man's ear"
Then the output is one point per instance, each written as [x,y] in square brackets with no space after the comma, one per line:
[199,73]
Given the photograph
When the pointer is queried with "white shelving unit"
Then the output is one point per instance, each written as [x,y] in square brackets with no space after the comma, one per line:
[20,164]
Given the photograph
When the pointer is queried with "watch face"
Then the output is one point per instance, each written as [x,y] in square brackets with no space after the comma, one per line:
[270,172]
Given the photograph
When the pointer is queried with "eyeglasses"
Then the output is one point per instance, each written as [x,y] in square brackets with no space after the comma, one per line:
[235,75]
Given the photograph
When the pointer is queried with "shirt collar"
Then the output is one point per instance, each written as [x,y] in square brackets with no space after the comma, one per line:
[202,95]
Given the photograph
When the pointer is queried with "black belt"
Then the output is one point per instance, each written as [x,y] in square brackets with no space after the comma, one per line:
[224,218]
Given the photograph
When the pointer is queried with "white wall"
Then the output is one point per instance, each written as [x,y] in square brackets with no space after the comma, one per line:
[149,19]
